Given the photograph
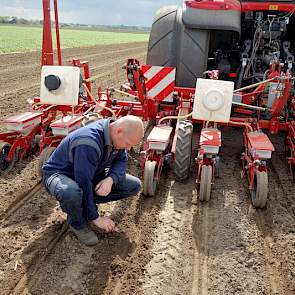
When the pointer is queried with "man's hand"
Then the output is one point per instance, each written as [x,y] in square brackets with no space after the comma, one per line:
[104,187]
[104,223]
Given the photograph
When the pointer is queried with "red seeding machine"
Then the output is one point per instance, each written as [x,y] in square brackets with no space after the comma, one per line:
[212,63]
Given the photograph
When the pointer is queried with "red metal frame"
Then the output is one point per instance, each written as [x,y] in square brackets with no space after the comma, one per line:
[47,47]
[240,6]
[57,33]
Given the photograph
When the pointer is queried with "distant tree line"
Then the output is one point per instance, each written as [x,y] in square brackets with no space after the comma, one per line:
[19,21]
[22,21]
[121,28]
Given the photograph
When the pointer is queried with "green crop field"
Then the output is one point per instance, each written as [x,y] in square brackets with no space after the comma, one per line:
[25,38]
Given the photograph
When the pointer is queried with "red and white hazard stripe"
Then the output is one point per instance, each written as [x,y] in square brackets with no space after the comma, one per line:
[160,82]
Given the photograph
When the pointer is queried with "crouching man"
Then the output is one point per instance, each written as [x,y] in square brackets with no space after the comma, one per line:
[89,167]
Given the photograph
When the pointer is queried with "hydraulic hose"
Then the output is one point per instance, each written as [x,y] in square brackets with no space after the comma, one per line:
[93,99]
[175,117]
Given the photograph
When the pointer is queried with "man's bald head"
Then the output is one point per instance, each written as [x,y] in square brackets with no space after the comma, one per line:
[127,132]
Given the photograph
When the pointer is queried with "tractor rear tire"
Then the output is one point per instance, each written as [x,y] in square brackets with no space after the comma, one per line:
[161,47]
[172,44]
[192,56]
[183,151]
[44,156]
[260,189]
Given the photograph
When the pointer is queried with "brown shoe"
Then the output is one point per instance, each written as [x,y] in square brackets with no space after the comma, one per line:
[85,235]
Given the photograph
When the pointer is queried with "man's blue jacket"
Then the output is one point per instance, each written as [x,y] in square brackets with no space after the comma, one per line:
[83,155]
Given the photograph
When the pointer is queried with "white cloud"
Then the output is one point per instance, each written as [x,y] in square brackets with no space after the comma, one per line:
[112,12]
[21,12]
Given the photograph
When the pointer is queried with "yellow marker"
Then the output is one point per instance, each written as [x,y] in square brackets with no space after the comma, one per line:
[273,7]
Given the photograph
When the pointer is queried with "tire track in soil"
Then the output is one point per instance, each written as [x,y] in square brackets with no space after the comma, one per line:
[279,231]
[25,236]
[200,233]
[18,181]
[162,243]
[274,276]
[169,271]
[35,265]
[200,269]
[277,277]
[21,200]
[140,225]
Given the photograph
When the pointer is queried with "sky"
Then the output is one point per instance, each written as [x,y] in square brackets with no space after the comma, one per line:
[103,12]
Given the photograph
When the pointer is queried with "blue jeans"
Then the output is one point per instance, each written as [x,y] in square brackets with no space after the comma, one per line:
[70,195]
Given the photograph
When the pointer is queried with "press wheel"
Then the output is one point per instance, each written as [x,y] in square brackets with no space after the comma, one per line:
[260,189]
[149,178]
[205,183]
[5,165]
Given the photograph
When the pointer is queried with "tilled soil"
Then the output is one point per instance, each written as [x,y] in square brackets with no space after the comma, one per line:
[168,244]
[20,73]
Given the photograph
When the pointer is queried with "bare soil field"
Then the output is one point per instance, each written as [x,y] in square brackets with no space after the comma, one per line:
[169,244]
